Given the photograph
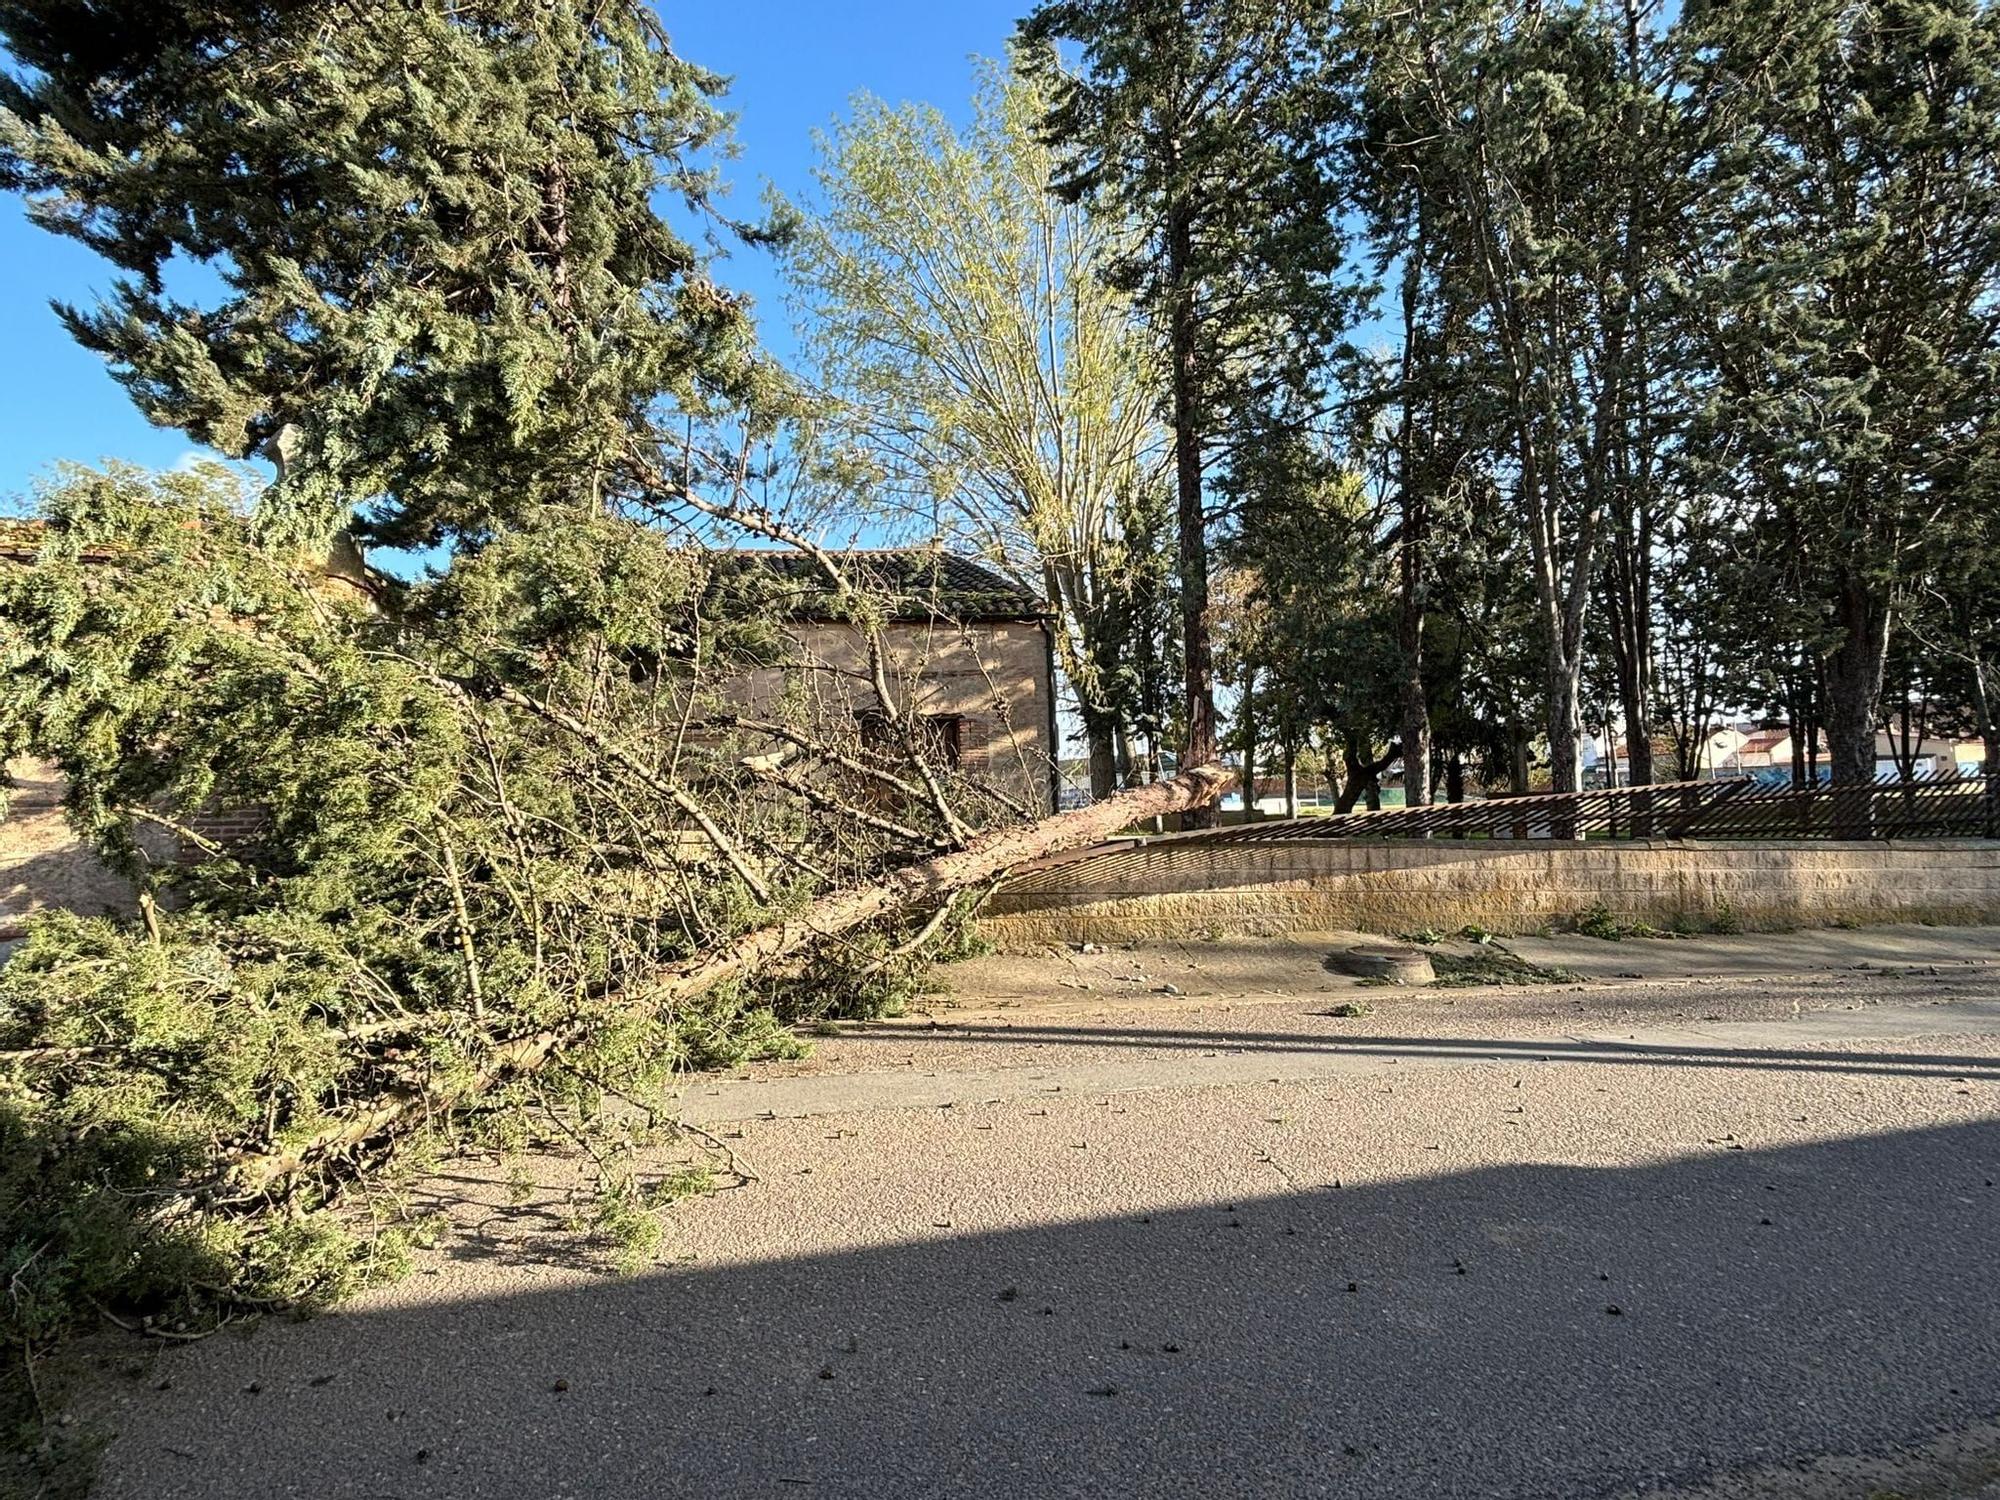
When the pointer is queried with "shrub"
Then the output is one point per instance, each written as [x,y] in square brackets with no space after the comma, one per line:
[1597,922]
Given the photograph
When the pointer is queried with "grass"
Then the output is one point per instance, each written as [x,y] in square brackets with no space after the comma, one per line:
[1599,921]
[1494,964]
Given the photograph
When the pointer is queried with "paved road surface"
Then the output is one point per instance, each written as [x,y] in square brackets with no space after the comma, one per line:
[1651,1239]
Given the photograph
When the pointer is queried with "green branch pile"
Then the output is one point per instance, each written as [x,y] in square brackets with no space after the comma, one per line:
[495,814]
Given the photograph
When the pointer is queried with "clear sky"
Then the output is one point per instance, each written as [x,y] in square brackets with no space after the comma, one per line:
[795,64]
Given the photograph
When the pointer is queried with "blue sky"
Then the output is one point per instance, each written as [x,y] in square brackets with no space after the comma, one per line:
[795,64]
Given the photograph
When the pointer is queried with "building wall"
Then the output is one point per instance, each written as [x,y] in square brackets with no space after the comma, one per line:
[994,677]
[42,861]
[1174,888]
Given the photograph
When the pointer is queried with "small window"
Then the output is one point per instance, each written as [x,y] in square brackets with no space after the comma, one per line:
[939,736]
[942,737]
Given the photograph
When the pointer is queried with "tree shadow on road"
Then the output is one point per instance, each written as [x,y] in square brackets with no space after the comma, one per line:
[1521,1331]
[1475,1049]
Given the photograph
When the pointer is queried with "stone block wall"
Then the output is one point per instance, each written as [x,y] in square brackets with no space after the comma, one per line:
[1184,887]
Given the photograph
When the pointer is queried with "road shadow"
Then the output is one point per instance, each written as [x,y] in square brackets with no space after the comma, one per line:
[1859,1061]
[1528,1331]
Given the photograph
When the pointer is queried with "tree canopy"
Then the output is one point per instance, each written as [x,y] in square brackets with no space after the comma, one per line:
[416,255]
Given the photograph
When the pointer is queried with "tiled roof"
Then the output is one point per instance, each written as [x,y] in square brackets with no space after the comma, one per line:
[21,542]
[921,582]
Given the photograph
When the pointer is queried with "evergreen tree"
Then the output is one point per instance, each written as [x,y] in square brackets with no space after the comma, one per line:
[1187,120]
[1526,143]
[443,291]
[1850,292]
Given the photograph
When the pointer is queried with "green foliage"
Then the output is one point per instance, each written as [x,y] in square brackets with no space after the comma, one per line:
[1194,125]
[447,296]
[626,1213]
[978,366]
[474,844]
[1494,964]
[1598,922]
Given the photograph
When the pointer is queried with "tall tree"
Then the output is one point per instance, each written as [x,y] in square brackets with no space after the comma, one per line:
[1532,138]
[1851,291]
[442,291]
[1183,121]
[956,318]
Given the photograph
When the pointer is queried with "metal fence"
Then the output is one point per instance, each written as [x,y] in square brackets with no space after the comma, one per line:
[1942,805]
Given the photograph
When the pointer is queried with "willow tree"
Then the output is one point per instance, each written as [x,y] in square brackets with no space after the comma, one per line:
[441,289]
[975,360]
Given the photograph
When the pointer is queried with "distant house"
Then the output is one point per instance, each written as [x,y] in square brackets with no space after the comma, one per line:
[1929,757]
[971,651]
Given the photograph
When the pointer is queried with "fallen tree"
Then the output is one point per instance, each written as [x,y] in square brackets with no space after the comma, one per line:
[898,891]
[522,849]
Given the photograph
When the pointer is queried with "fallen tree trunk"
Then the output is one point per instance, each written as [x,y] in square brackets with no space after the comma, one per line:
[900,890]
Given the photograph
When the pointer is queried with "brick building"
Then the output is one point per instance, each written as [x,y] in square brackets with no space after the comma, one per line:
[972,652]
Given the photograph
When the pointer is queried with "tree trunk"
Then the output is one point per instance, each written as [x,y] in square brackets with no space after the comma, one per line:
[1628,592]
[1103,758]
[1416,713]
[1854,688]
[899,890]
[1565,725]
[1985,710]
[1354,782]
[1291,779]
[1249,743]
[1412,479]
[1198,744]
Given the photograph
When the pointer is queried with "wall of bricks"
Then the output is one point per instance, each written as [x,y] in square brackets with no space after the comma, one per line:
[1176,888]
[992,676]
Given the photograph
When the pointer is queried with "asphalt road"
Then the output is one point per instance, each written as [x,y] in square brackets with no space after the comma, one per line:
[1111,1256]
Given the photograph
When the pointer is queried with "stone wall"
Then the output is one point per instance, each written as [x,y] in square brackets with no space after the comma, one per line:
[1186,887]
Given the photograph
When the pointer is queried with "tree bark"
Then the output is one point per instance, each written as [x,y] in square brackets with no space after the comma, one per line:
[1103,753]
[1854,688]
[986,856]
[1411,481]
[1628,593]
[1249,743]
[1198,742]
[1565,725]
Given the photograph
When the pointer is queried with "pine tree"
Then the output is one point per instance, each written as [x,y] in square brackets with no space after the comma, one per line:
[1851,301]
[1186,119]
[442,290]
[1527,143]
